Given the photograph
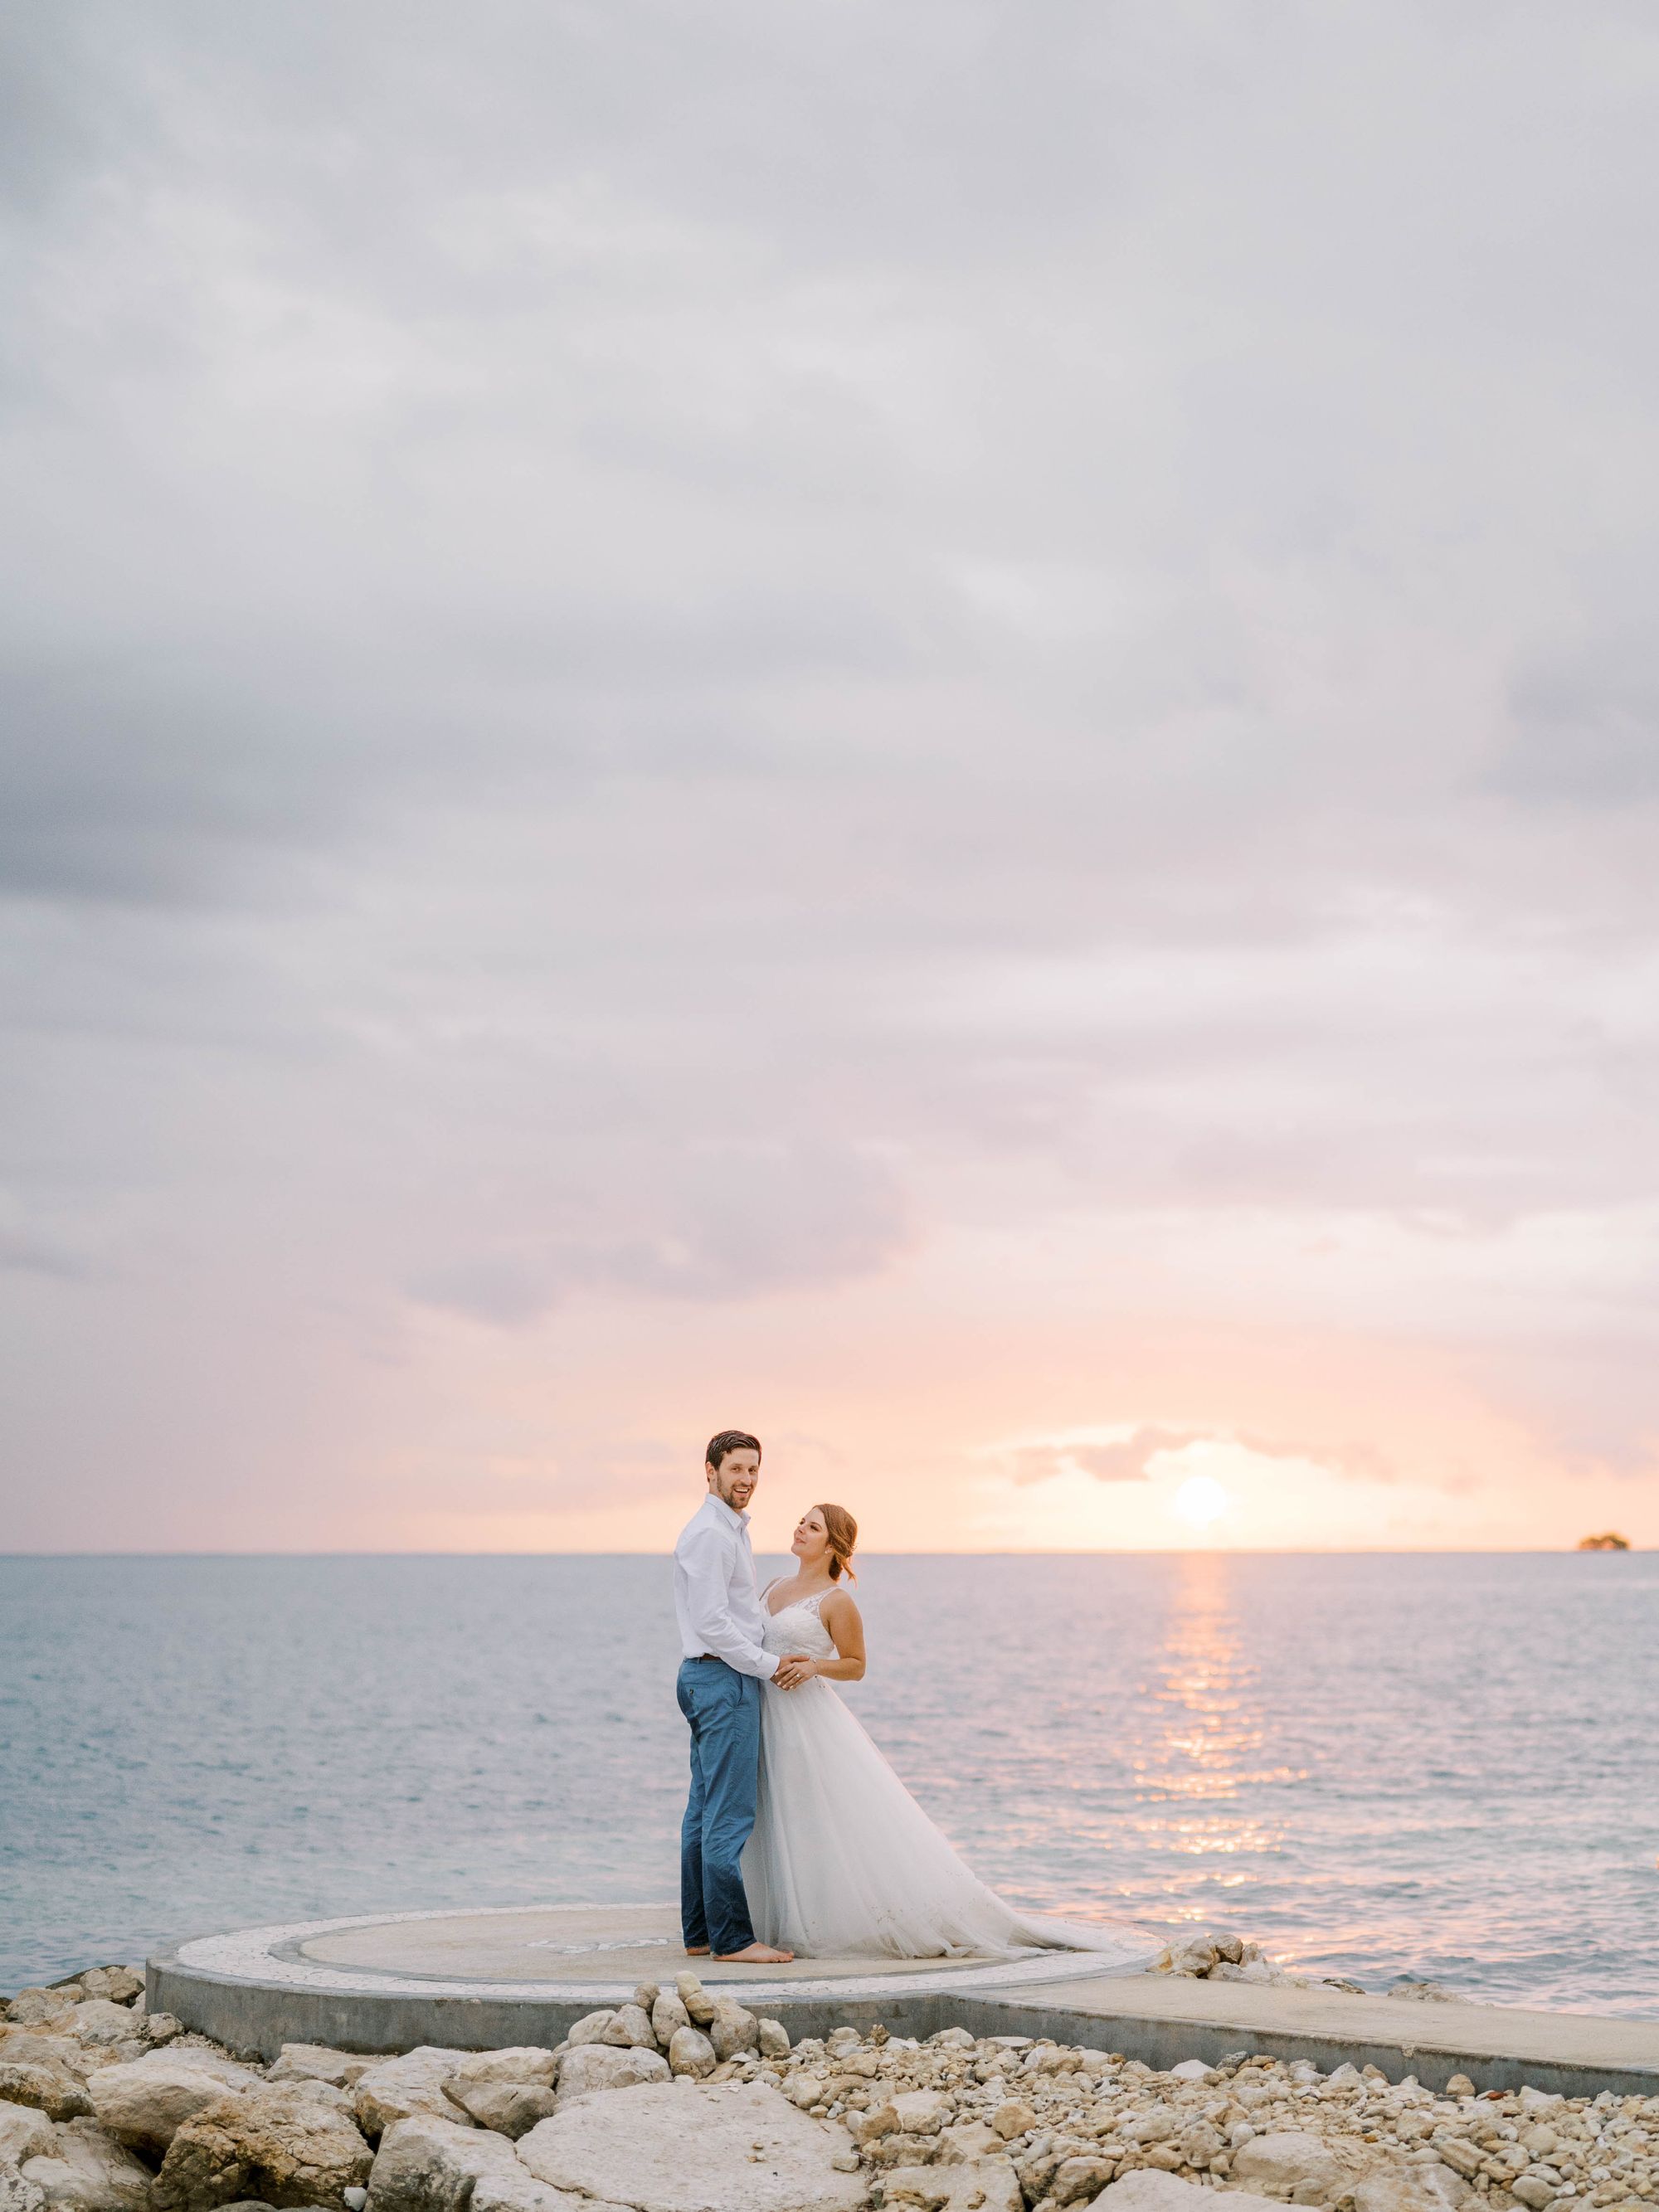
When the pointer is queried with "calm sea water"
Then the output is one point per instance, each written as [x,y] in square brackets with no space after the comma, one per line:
[1440,1767]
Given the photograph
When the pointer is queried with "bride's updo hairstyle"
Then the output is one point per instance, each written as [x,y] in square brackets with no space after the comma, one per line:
[842,1530]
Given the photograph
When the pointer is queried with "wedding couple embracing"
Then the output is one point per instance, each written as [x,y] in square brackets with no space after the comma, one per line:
[798,1836]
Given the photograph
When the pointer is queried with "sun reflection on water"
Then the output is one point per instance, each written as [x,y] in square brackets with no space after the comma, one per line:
[1206,1736]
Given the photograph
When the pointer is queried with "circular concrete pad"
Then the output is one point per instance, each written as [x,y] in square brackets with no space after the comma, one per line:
[478,1980]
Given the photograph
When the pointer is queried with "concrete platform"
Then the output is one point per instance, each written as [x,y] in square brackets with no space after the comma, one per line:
[481,1980]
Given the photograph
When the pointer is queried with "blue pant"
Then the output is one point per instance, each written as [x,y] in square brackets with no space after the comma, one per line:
[724,1709]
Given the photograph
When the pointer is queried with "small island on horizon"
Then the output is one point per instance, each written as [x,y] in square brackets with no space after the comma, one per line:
[1610,1542]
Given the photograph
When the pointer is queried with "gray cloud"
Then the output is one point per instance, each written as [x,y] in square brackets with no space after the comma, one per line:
[674,661]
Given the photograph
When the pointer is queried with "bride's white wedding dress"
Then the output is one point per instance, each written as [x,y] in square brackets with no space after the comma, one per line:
[843,1862]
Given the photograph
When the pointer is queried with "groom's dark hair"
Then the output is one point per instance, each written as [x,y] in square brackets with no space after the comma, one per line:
[729,1440]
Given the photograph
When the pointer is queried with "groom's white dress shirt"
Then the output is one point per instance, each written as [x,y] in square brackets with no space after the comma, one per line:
[715,1599]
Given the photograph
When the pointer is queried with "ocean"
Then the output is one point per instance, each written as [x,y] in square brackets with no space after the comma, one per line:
[1430,1766]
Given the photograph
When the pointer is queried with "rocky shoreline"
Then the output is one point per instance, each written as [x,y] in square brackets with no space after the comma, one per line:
[683,2101]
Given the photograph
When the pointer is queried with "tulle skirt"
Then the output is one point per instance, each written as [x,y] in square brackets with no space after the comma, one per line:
[844,1863]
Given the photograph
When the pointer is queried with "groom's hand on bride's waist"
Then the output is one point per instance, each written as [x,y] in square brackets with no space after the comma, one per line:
[794,1668]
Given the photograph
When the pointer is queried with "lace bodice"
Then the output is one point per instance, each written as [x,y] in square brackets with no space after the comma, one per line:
[798,1628]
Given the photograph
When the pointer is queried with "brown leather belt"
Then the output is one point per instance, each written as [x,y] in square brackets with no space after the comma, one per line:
[701,1655]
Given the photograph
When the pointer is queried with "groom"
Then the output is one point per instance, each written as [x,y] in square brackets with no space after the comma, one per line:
[721,1671]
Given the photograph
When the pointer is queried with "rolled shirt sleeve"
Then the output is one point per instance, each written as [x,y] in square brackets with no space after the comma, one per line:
[706,1561]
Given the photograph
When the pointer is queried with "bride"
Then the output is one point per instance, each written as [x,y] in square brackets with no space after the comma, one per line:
[844,1861]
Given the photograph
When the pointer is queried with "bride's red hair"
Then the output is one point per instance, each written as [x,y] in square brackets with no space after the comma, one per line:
[842,1530]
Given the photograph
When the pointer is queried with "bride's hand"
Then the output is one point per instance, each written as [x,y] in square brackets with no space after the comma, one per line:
[795,1669]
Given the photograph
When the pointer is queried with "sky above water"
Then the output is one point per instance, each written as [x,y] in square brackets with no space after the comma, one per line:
[935,729]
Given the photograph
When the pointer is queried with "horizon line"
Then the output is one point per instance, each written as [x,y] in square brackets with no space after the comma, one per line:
[1125,1552]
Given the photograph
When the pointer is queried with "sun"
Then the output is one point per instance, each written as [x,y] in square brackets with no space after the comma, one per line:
[1202,1499]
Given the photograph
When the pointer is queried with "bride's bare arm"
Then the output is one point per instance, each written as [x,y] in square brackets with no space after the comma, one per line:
[841,1617]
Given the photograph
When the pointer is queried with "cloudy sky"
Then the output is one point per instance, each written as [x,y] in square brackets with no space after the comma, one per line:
[934,727]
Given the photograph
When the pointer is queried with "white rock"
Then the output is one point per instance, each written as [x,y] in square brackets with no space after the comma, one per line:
[524,2062]
[89,2172]
[699,2005]
[508,2108]
[17,2192]
[1303,2165]
[630,2026]
[522,2193]
[52,2089]
[690,2051]
[317,2062]
[426,2165]
[774,2040]
[100,2021]
[922,2111]
[144,2102]
[686,2147]
[733,2029]
[38,2008]
[598,2066]
[399,2088]
[986,2184]
[1398,2187]
[122,1985]
[1146,2190]
[279,2145]
[591,2027]
[25,2133]
[1532,2190]
[668,2014]
[206,2060]
[967,2141]
[1190,2070]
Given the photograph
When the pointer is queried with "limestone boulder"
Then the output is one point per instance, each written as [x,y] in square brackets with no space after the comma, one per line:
[507,2108]
[1394,2185]
[1146,2190]
[523,2063]
[988,2185]
[699,2005]
[591,2027]
[145,2101]
[774,2039]
[688,2147]
[204,2058]
[427,2164]
[630,2026]
[733,2029]
[318,2061]
[1303,2166]
[98,2021]
[522,2193]
[667,2015]
[400,2088]
[922,2111]
[25,2133]
[691,2054]
[690,2051]
[38,2008]
[595,2066]
[121,1984]
[279,2147]
[88,2171]
[51,2089]
[17,2192]
[967,2141]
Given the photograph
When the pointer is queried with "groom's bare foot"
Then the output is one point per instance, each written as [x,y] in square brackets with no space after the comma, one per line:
[759,1954]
